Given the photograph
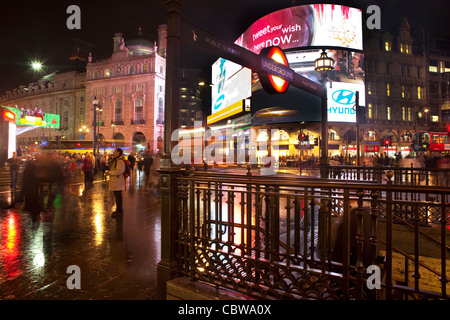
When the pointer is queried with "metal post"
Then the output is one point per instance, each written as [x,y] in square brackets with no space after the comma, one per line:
[324,147]
[167,267]
[358,159]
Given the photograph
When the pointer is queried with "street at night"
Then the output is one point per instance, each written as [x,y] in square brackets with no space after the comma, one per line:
[117,257]
[225,159]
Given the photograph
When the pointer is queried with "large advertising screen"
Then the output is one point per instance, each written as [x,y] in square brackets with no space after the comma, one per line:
[302,31]
[316,25]
[27,117]
[231,83]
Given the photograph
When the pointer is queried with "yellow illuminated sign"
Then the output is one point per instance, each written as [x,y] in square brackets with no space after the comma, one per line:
[226,112]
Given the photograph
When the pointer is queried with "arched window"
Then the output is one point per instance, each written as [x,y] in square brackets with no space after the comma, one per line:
[118,110]
[370,135]
[138,109]
[332,135]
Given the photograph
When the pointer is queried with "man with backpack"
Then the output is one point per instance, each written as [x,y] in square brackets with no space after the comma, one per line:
[117,179]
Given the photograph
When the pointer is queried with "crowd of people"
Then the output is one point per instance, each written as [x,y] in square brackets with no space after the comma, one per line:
[56,169]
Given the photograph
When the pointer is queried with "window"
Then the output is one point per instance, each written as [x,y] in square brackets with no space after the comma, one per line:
[403,113]
[138,109]
[332,135]
[388,113]
[408,114]
[160,111]
[107,73]
[370,135]
[65,122]
[118,110]
[419,93]
[388,89]
[370,111]
[433,66]
[138,87]
[131,69]
[387,46]
[401,47]
[145,68]
[118,89]
[403,92]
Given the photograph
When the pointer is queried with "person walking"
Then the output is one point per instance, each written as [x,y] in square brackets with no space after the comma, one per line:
[117,180]
[14,167]
[148,162]
[87,167]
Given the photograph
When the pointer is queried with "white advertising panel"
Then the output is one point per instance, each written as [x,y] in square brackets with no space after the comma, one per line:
[231,83]
[342,99]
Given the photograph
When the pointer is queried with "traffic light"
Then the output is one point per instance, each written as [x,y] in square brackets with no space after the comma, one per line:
[361,114]
[301,137]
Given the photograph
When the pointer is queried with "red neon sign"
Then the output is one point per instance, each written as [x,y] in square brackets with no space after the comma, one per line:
[10,116]
[270,82]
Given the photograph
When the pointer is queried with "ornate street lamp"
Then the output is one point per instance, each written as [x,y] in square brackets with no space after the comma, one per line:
[84,130]
[323,65]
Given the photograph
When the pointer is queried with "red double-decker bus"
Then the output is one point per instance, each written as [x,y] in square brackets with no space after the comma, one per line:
[430,143]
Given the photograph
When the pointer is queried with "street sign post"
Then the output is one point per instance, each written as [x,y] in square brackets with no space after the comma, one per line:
[211,43]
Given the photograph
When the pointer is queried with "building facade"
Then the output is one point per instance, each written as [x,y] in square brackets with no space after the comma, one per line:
[130,89]
[58,93]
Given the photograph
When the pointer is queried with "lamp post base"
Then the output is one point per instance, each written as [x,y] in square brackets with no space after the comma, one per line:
[323,166]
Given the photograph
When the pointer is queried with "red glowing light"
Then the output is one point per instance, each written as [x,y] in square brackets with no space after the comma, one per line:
[279,84]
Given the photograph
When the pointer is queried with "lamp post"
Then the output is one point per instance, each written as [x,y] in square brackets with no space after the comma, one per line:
[84,130]
[94,139]
[323,65]
[114,135]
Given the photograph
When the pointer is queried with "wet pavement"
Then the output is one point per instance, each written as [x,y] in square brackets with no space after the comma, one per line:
[116,257]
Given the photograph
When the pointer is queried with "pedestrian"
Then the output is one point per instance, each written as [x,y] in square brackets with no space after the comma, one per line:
[148,162]
[132,160]
[117,180]
[87,167]
[73,168]
[14,167]
[154,174]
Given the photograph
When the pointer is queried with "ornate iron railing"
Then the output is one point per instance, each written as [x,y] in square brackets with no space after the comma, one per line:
[306,239]
[402,175]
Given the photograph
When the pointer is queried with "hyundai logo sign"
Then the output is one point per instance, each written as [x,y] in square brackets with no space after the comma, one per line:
[344,96]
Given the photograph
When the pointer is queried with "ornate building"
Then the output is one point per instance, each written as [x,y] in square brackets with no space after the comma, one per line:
[130,88]
[58,93]
[396,92]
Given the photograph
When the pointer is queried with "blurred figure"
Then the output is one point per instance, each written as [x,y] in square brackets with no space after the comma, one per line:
[87,167]
[14,167]
[147,164]
[73,168]
[154,174]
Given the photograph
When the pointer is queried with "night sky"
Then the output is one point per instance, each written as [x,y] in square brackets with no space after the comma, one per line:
[37,29]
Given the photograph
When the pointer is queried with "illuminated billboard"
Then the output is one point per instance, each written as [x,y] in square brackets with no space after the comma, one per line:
[316,25]
[302,32]
[36,118]
[341,101]
[231,84]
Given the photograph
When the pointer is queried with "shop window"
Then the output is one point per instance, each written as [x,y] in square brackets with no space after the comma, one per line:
[370,135]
